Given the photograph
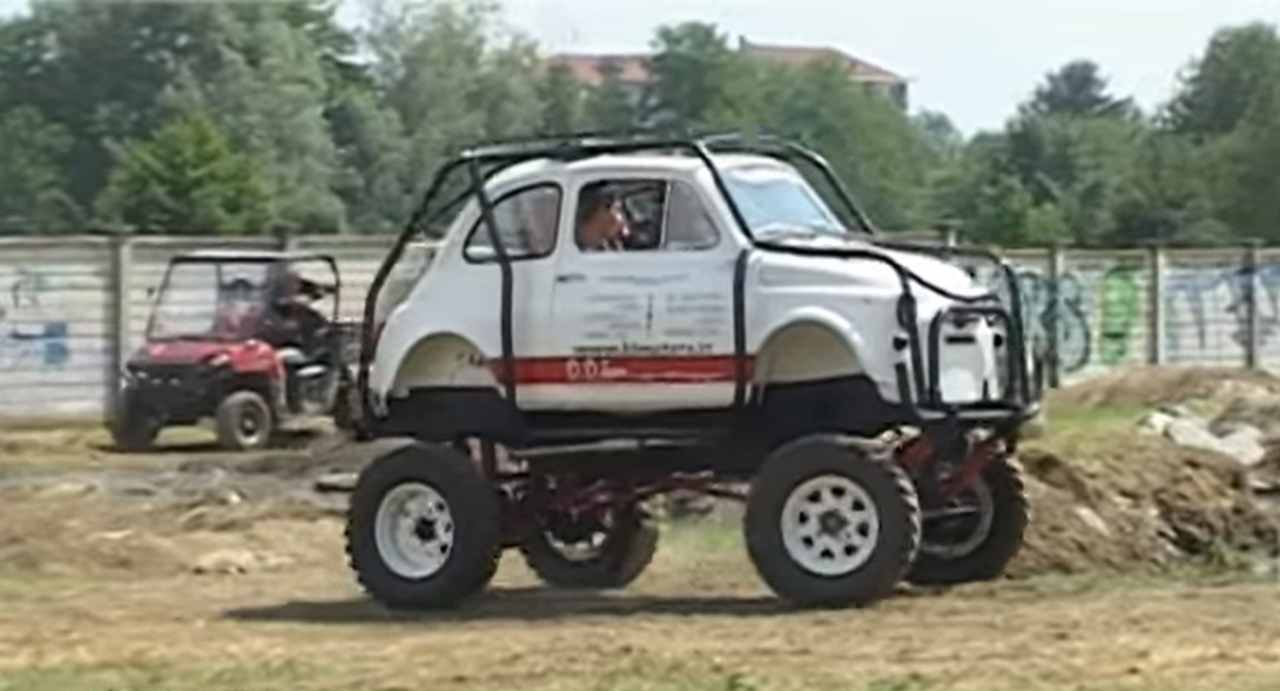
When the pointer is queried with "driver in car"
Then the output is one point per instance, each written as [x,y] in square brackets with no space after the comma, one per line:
[297,324]
[601,227]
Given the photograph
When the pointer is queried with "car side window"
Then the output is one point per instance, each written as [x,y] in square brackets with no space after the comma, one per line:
[641,215]
[689,226]
[526,219]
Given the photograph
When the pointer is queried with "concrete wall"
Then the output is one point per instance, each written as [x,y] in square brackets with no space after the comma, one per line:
[64,300]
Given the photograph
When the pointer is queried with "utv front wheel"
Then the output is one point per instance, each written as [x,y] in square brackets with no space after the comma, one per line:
[610,553]
[831,523]
[423,528]
[977,534]
[135,427]
[245,422]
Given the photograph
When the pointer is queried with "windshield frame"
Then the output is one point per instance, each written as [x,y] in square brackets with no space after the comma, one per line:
[166,284]
[271,288]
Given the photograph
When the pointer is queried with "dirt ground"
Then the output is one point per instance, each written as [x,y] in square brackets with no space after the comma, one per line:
[191,569]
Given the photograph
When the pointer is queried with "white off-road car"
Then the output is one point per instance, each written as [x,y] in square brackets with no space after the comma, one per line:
[606,320]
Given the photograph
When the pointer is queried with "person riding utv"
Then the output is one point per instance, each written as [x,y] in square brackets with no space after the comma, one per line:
[238,337]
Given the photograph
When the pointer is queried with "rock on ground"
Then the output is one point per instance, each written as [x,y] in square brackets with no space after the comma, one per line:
[234,561]
[1192,432]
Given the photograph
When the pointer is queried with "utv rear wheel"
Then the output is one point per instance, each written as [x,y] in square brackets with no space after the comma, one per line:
[245,422]
[606,554]
[136,426]
[831,523]
[975,536]
[423,528]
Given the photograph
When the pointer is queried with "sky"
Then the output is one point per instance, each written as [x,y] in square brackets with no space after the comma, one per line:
[974,60]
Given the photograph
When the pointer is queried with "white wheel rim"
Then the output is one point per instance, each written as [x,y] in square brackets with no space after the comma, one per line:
[830,525]
[250,425]
[414,530]
[582,550]
[985,510]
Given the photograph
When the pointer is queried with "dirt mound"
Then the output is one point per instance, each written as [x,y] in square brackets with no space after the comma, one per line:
[1154,386]
[1106,496]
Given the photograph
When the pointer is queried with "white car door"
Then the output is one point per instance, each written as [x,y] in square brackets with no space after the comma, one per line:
[528,220]
[648,328]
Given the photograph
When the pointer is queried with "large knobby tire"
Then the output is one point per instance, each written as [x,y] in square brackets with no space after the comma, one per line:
[977,547]
[617,556]
[423,528]
[832,522]
[245,422]
[136,426]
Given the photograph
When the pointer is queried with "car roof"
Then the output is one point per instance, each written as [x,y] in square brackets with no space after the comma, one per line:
[623,163]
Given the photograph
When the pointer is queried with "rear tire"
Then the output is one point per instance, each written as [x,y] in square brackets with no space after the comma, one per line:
[423,528]
[831,522]
[986,544]
[245,422]
[625,551]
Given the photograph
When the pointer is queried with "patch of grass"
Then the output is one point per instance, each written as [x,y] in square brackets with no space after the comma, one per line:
[653,673]
[286,676]
[1065,417]
[1098,582]
[703,537]
[910,682]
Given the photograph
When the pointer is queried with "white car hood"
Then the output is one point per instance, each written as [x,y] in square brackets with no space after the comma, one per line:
[782,268]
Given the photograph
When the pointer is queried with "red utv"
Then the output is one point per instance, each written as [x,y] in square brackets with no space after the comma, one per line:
[243,338]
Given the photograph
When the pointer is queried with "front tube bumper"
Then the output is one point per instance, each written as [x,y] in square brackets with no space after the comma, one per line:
[1020,395]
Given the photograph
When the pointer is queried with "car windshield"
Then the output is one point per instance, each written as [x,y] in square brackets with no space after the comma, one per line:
[214,300]
[776,201]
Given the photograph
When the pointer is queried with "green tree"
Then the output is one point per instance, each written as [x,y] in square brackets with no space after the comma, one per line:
[981,191]
[451,78]
[371,146]
[609,106]
[112,72]
[186,179]
[98,69]
[32,185]
[939,132]
[1247,184]
[562,100]
[690,72]
[1077,88]
[268,94]
[1168,196]
[1219,89]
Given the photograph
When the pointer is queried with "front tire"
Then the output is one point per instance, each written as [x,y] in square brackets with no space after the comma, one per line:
[245,422]
[831,523]
[423,528]
[135,427]
[604,557]
[977,546]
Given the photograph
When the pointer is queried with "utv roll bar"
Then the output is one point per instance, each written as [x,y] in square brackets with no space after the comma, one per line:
[483,162]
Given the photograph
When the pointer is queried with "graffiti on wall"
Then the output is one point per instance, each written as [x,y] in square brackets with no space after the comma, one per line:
[1214,300]
[31,336]
[1095,314]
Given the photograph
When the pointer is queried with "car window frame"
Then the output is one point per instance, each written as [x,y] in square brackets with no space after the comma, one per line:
[555,238]
[668,184]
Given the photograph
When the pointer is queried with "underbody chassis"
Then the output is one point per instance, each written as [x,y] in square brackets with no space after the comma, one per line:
[847,491]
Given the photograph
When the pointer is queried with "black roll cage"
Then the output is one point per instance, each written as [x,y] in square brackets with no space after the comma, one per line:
[483,162]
